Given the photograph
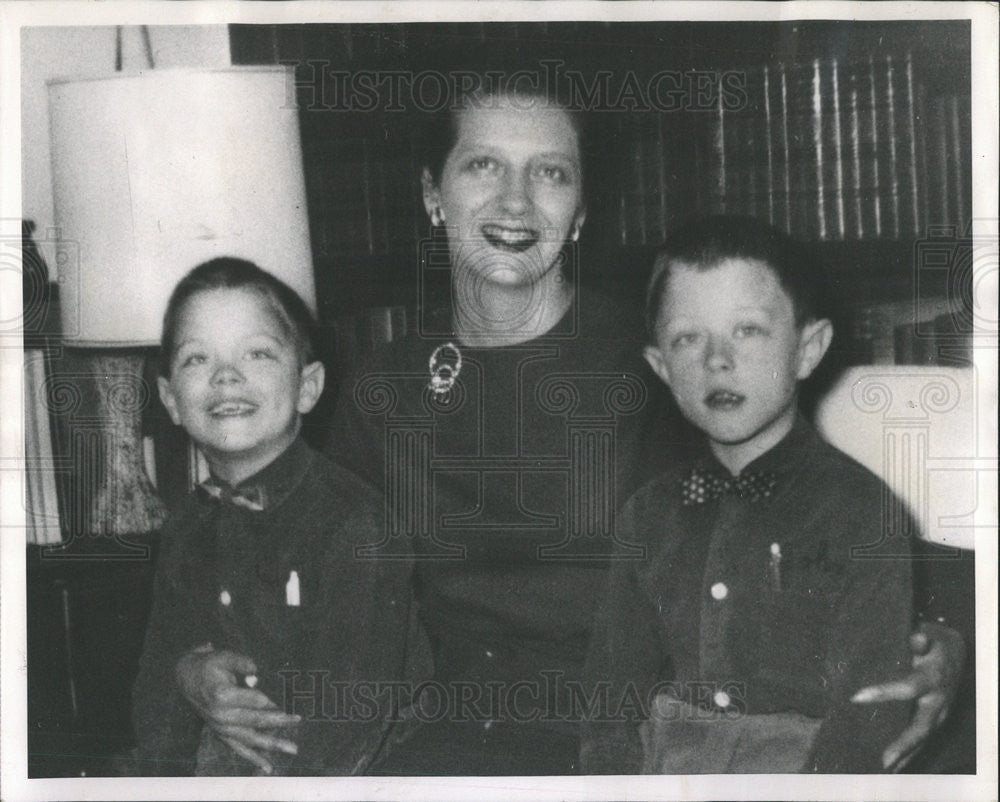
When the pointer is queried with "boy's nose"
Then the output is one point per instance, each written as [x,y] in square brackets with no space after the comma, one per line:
[718,354]
[227,373]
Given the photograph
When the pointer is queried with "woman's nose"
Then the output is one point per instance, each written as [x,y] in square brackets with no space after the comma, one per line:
[516,197]
[718,354]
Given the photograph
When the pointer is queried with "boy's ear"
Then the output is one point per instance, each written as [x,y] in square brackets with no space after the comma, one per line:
[814,340]
[167,397]
[311,383]
[432,195]
[654,356]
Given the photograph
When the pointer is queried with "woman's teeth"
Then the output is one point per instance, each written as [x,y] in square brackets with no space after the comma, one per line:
[516,239]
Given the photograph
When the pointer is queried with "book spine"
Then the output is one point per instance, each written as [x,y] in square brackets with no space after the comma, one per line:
[838,150]
[817,140]
[911,142]
[770,186]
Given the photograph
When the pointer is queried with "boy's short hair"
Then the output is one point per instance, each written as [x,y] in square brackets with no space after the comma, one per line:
[228,272]
[706,242]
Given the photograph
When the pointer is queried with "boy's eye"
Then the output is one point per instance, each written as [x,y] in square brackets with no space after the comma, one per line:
[684,340]
[260,353]
[749,330]
[552,173]
[192,360]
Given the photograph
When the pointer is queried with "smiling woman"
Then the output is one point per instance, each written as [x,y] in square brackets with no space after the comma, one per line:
[510,192]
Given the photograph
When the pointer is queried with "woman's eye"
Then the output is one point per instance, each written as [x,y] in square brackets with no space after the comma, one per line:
[484,164]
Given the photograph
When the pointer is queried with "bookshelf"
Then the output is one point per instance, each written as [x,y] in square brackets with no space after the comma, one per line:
[855,139]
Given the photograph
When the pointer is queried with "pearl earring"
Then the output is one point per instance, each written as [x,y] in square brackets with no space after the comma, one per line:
[437,217]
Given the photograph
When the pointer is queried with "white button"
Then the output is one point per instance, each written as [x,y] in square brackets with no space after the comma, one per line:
[722,699]
[719,591]
[225,598]
[489,653]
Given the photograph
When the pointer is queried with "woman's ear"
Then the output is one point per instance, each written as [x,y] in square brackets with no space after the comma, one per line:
[168,399]
[311,383]
[432,197]
[814,340]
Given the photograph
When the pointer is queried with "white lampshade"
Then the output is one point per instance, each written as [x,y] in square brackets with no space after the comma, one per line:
[157,172]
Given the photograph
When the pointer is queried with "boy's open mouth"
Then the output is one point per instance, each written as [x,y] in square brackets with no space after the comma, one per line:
[723,400]
[232,408]
[515,240]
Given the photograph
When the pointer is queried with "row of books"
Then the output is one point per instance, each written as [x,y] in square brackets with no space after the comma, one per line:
[826,150]
[831,151]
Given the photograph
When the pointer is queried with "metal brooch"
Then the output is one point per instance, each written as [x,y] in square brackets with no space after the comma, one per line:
[445,364]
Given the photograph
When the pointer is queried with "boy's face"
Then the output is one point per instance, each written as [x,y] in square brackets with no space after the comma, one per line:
[235,382]
[728,347]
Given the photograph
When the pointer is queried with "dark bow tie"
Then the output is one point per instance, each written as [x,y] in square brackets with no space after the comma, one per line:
[705,485]
[252,498]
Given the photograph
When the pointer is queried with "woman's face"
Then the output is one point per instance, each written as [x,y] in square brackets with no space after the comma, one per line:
[511,191]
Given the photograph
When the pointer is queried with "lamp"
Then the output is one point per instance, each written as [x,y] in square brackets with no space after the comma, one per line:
[154,173]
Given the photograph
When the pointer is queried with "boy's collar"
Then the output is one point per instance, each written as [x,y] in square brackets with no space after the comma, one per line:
[273,483]
[780,460]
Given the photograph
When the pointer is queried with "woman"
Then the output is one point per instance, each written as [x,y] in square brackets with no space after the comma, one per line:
[504,433]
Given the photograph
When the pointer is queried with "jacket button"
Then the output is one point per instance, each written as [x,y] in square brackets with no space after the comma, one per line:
[719,591]
[225,598]
[722,699]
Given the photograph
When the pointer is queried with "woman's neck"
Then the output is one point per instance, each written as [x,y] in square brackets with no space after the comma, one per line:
[497,315]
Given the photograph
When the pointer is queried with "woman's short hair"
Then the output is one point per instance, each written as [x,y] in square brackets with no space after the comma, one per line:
[228,272]
[441,132]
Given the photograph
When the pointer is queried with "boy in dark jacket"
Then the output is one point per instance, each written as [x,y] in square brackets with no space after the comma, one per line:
[261,559]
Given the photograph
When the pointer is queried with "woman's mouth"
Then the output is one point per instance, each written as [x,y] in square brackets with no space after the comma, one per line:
[724,400]
[515,240]
[232,408]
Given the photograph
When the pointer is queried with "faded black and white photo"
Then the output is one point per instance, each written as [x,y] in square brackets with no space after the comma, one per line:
[519,400]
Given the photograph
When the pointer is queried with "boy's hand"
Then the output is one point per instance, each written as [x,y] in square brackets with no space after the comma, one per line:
[240,716]
[938,657]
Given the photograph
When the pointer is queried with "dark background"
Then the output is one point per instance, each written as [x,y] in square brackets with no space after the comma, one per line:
[362,167]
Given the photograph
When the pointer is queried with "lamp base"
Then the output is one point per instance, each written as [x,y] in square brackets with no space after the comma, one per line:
[126,503]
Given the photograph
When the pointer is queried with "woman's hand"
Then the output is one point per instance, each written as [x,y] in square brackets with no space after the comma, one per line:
[242,717]
[938,657]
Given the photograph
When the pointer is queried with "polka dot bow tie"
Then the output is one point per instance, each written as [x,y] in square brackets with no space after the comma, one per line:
[702,486]
[251,498]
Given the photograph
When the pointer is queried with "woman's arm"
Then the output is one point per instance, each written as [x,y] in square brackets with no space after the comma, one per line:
[944,590]
[244,718]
